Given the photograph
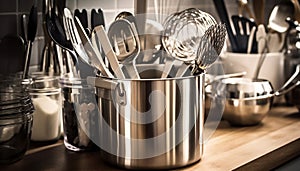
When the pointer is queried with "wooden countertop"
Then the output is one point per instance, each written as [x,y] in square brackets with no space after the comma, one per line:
[261,147]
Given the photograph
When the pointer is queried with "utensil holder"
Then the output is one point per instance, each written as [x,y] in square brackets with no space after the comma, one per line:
[150,123]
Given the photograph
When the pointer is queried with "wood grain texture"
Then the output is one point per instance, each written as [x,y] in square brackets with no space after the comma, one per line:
[261,147]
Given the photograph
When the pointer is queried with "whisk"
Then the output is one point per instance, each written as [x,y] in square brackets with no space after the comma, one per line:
[210,47]
[181,37]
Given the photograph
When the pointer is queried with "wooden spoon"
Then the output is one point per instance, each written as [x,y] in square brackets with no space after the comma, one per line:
[259,8]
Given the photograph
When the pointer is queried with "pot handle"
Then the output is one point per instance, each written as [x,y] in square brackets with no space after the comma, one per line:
[117,88]
[290,83]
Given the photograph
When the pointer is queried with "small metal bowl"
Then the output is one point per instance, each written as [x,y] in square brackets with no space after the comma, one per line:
[246,101]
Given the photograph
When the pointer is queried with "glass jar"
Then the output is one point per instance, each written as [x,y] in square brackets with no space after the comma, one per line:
[16,118]
[80,115]
[46,98]
[292,59]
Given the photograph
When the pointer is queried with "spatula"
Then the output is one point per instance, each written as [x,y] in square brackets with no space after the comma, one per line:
[82,16]
[97,18]
[222,12]
[31,32]
[243,27]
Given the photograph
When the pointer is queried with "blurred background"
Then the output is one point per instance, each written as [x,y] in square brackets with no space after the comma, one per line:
[11,14]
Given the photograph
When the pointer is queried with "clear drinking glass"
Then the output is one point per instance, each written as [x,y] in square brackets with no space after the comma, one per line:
[80,114]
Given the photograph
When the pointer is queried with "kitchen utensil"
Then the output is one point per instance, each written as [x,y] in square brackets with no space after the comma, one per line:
[183,31]
[31,32]
[182,35]
[243,5]
[126,44]
[243,26]
[222,12]
[297,10]
[108,50]
[97,18]
[24,27]
[155,111]
[278,15]
[247,101]
[250,40]
[83,18]
[127,16]
[210,47]
[82,44]
[259,8]
[261,38]
[52,61]
[209,79]
[275,41]
[57,34]
[94,58]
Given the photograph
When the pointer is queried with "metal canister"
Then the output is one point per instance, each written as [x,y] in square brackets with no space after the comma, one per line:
[151,123]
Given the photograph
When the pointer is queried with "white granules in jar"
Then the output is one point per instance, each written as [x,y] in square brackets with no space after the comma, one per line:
[46,119]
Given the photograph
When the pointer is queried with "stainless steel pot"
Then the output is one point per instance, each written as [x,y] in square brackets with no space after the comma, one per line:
[151,123]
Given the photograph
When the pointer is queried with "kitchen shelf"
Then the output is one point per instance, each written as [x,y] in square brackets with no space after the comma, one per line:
[261,147]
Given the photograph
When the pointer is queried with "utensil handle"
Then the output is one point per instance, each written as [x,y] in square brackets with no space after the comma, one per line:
[182,70]
[289,85]
[259,8]
[260,62]
[221,9]
[113,61]
[250,40]
[27,59]
[131,70]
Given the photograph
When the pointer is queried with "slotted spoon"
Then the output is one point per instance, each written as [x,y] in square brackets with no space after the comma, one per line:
[124,39]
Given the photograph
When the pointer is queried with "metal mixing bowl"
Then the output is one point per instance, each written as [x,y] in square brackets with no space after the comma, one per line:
[246,101]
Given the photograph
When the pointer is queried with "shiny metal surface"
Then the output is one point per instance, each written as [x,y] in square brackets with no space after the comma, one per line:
[124,39]
[247,101]
[238,109]
[158,122]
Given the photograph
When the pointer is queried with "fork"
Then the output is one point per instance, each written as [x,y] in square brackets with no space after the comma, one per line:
[123,37]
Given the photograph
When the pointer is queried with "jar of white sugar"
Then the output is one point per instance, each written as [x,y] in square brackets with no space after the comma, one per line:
[46,98]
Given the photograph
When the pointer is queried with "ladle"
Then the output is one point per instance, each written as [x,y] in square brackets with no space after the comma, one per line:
[278,15]
[57,34]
